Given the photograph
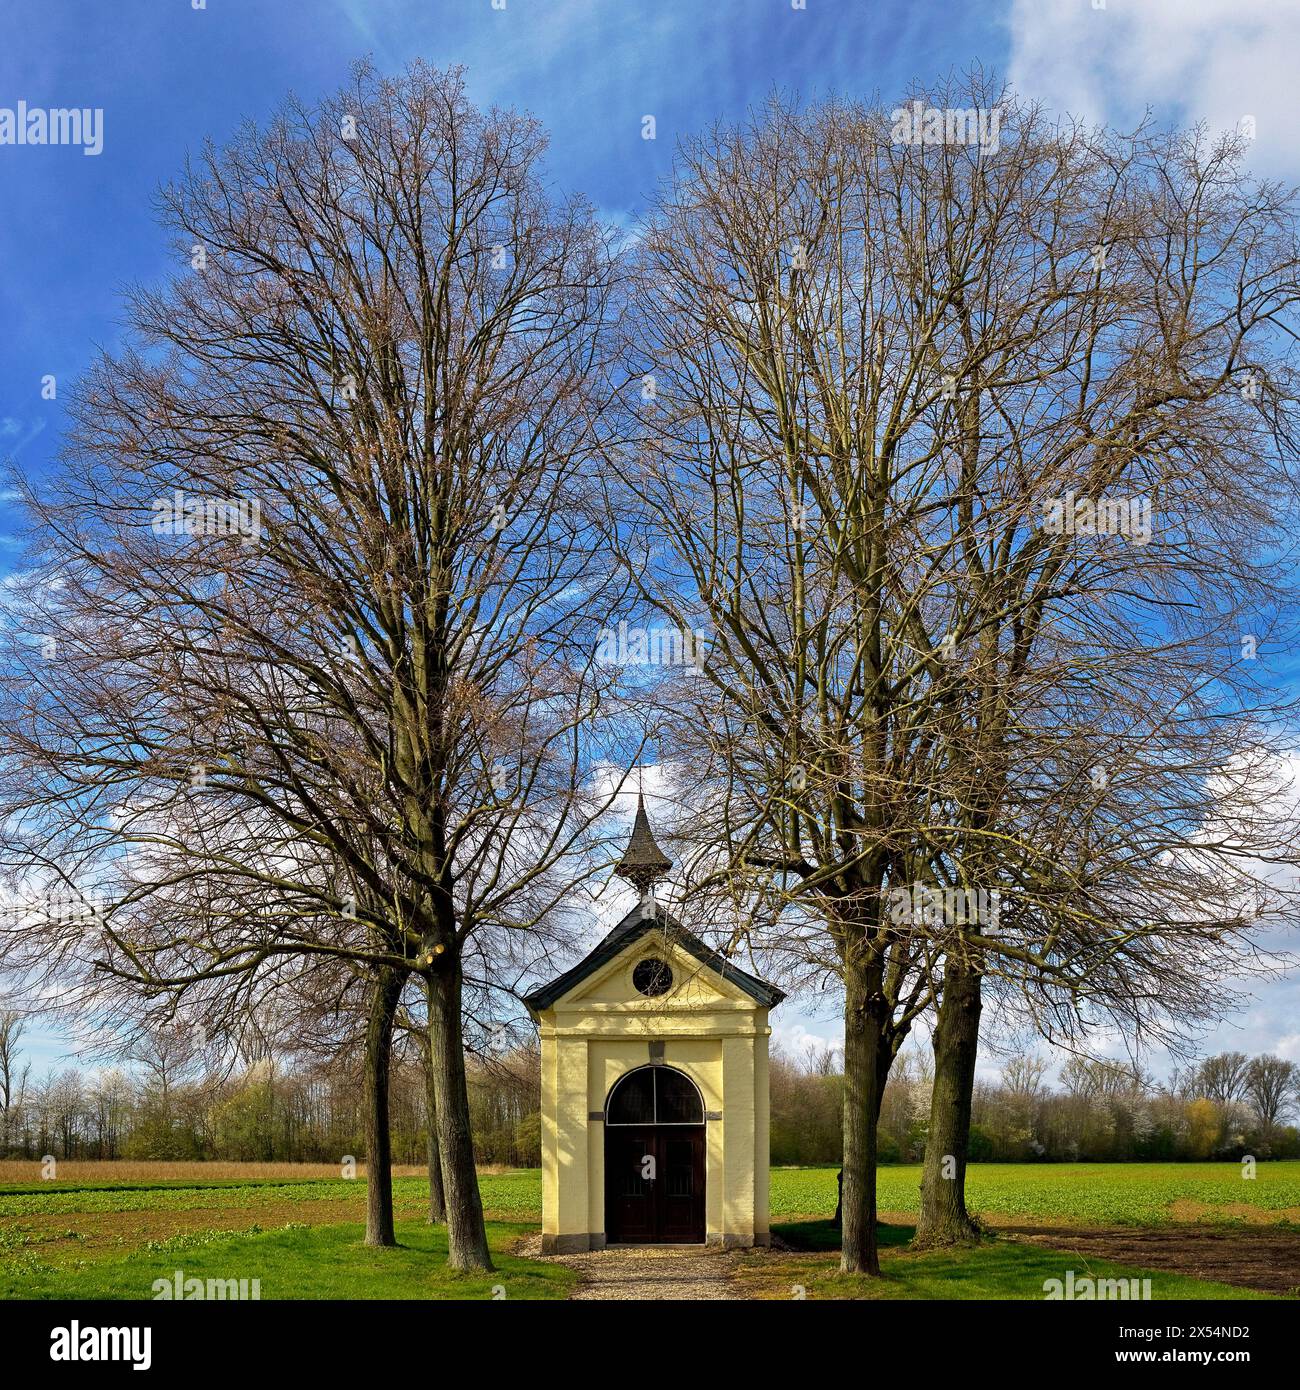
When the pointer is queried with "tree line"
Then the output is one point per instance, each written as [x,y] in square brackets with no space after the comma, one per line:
[287,1110]
[1229,1106]
[975,466]
[167,1104]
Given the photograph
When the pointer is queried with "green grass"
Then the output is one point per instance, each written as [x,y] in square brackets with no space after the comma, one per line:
[1078,1194]
[510,1196]
[112,1240]
[997,1269]
[315,1262]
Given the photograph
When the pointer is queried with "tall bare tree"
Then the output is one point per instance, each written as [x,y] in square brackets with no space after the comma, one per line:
[13,1082]
[1112,534]
[873,366]
[1222,1078]
[1269,1081]
[321,572]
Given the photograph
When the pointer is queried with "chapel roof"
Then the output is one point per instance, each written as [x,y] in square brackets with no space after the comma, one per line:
[635,925]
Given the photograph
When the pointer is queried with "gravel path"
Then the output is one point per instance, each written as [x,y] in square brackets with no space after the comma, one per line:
[656,1272]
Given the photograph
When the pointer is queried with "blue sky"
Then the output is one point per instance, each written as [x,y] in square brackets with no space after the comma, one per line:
[76,229]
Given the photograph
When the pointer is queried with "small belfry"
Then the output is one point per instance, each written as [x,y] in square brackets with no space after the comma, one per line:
[643,863]
[655,1120]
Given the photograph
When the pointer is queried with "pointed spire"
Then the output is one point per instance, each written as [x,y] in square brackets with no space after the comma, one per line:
[643,863]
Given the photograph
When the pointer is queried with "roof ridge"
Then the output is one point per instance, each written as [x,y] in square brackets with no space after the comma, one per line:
[636,923]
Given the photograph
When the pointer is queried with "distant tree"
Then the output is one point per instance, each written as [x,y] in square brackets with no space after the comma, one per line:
[13,1083]
[805,1092]
[1268,1085]
[110,1103]
[168,1060]
[1204,1125]
[1090,1077]
[1023,1076]
[1223,1078]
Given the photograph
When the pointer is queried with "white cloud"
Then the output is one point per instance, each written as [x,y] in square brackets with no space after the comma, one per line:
[1188,60]
[798,1040]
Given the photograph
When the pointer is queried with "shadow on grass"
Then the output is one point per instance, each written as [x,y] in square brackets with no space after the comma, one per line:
[825,1235]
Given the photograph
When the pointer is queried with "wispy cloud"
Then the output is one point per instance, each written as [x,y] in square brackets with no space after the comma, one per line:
[15,436]
[1217,61]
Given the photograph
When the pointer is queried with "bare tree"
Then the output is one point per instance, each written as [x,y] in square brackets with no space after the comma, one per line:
[13,1082]
[870,370]
[1268,1085]
[1222,1078]
[354,723]
[1022,1077]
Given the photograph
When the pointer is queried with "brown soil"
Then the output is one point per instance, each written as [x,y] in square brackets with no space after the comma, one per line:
[1185,1209]
[1252,1259]
[73,1171]
[128,1230]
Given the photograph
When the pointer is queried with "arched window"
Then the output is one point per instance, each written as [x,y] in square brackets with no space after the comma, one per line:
[654,1096]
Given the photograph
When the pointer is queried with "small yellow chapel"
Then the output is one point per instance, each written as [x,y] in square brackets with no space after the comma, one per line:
[654,1085]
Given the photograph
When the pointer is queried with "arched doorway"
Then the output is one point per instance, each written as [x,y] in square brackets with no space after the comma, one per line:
[654,1159]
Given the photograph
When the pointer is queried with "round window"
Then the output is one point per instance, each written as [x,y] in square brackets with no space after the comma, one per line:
[652,977]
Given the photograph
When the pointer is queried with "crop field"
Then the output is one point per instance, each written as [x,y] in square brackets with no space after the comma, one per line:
[1075,1194]
[110,1230]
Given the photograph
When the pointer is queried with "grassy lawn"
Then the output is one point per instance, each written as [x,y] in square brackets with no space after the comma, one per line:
[93,1236]
[998,1269]
[327,1262]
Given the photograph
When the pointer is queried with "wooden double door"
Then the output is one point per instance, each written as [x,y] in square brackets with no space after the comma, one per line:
[654,1184]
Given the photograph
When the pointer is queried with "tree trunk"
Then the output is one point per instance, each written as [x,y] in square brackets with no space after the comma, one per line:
[386,993]
[864,1040]
[944,1219]
[467,1246]
[437,1197]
